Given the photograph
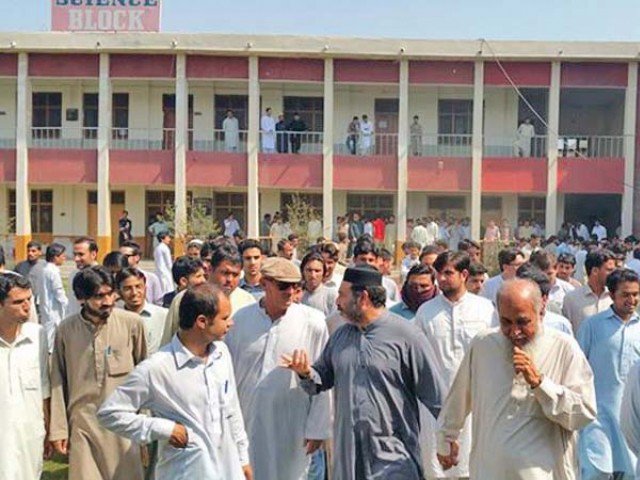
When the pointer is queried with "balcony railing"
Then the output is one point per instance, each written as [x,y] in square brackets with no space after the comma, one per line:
[591,146]
[291,142]
[376,144]
[218,141]
[142,139]
[75,138]
[535,147]
[440,145]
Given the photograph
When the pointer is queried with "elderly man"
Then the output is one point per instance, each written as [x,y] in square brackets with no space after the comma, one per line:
[285,426]
[381,367]
[530,390]
[195,442]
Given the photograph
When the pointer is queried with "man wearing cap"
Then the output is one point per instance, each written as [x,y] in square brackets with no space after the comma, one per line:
[380,366]
[284,424]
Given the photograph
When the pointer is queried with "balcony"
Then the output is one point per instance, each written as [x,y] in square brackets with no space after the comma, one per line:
[142,139]
[506,147]
[379,144]
[68,138]
[7,140]
[217,141]
[308,143]
[609,146]
[440,145]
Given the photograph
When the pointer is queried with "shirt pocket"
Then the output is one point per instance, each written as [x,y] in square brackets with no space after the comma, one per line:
[119,362]
[30,377]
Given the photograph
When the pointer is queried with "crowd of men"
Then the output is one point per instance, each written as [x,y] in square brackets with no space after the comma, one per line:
[245,363]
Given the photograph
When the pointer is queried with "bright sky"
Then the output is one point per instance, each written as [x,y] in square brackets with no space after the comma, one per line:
[429,19]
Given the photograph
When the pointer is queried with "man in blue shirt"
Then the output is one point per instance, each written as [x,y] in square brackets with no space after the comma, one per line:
[610,342]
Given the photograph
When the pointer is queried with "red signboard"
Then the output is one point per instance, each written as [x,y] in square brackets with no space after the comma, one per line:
[105,15]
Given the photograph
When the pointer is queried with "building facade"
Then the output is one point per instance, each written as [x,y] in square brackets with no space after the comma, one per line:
[92,124]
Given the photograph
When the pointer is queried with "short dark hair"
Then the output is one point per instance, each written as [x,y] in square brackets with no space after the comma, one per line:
[543,260]
[93,246]
[621,275]
[293,236]
[251,243]
[377,293]
[364,248]
[422,269]
[9,281]
[311,257]
[54,250]
[529,271]
[505,257]
[429,250]
[225,253]
[385,254]
[596,258]
[460,261]
[115,260]
[3,260]
[89,280]
[282,243]
[201,300]
[34,244]
[466,245]
[162,235]
[129,272]
[185,266]
[135,246]
[567,257]
[477,268]
[331,250]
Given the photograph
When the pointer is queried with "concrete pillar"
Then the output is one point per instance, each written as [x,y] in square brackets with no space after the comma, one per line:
[551,211]
[403,157]
[180,153]
[23,199]
[253,146]
[327,151]
[476,152]
[630,108]
[104,131]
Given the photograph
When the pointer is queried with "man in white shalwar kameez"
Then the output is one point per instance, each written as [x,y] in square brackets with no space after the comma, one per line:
[162,258]
[525,134]
[231,131]
[530,390]
[284,424]
[366,136]
[268,129]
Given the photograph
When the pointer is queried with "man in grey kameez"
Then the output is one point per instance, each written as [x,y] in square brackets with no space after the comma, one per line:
[380,368]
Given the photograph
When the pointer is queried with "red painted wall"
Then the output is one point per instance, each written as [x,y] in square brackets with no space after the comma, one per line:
[439,174]
[302,69]
[290,170]
[365,173]
[529,74]
[370,71]
[514,175]
[8,64]
[63,65]
[441,73]
[591,175]
[216,169]
[7,165]
[144,167]
[594,75]
[142,66]
[203,66]
[62,166]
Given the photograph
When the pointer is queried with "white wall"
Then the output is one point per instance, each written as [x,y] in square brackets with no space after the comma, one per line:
[501,112]
[8,107]
[269,202]
[70,210]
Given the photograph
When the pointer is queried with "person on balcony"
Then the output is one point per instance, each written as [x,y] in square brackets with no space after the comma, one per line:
[282,139]
[231,131]
[296,125]
[525,134]
[416,136]
[268,127]
[352,135]
[366,136]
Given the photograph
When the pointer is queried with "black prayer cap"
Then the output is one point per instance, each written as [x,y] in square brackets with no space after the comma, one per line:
[363,276]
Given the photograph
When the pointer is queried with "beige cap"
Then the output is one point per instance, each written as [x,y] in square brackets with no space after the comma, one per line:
[281,270]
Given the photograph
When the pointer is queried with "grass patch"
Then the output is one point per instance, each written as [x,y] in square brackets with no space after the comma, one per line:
[56,468]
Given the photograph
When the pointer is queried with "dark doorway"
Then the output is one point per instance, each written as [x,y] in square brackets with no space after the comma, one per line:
[590,207]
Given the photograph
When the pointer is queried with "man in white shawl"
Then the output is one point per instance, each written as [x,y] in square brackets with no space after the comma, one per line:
[268,128]
[231,131]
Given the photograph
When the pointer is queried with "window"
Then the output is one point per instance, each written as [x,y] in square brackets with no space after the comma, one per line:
[41,210]
[46,114]
[313,199]
[532,208]
[90,115]
[311,110]
[370,206]
[455,117]
[226,202]
[117,198]
[120,115]
[492,203]
[449,206]
[237,103]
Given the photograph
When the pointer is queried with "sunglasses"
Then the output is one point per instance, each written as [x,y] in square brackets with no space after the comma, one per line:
[282,286]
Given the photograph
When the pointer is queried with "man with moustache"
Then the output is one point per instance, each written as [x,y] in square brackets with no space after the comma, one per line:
[94,351]
[530,390]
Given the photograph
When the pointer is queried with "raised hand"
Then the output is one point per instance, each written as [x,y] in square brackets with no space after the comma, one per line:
[298,362]
[523,363]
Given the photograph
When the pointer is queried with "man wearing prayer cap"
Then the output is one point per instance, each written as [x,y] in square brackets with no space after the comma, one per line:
[285,425]
[380,367]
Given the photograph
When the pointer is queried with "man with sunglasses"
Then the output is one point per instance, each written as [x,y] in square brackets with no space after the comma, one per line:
[285,426]
[93,353]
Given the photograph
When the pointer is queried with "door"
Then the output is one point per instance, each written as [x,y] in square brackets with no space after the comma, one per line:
[169,122]
[117,206]
[386,127]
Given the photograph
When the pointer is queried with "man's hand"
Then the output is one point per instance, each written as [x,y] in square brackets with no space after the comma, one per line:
[248,472]
[61,446]
[179,436]
[298,362]
[48,450]
[312,446]
[451,460]
[523,363]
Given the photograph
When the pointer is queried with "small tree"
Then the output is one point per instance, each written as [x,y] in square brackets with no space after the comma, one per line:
[200,221]
[300,213]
